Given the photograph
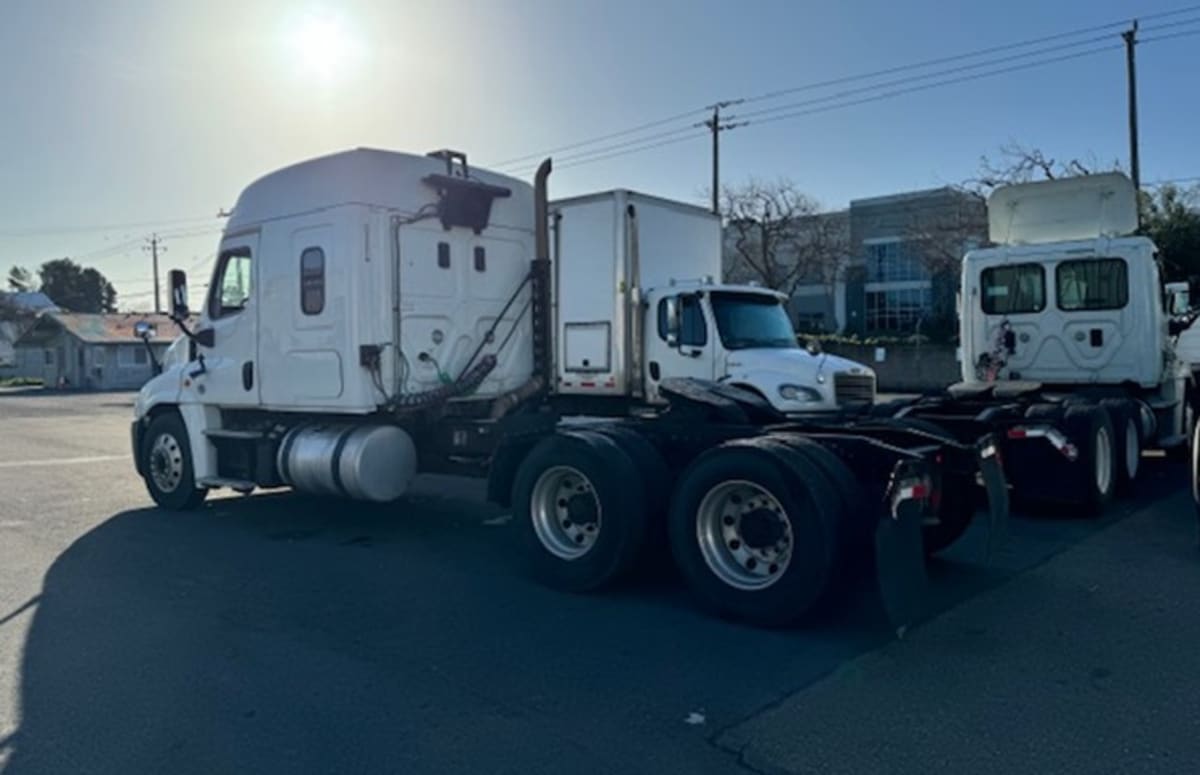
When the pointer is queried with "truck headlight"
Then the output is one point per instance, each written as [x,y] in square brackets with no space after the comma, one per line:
[798,393]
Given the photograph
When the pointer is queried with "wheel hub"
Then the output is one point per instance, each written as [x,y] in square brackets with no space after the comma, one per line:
[566,512]
[761,528]
[166,463]
[582,510]
[744,534]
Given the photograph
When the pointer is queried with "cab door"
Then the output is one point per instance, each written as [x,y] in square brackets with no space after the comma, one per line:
[690,352]
[229,374]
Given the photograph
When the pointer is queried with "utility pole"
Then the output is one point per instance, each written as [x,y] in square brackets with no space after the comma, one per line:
[715,126]
[1135,171]
[155,247]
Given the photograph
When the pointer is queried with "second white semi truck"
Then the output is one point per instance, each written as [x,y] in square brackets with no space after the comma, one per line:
[1069,353]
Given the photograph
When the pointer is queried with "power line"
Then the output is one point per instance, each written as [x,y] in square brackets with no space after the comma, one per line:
[963,56]
[694,136]
[598,139]
[566,161]
[1171,25]
[925,76]
[935,84]
[1157,38]
[56,230]
[635,144]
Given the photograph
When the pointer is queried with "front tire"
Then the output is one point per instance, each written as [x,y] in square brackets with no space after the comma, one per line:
[167,462]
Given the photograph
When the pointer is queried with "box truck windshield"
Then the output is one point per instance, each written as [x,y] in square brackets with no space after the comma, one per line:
[746,320]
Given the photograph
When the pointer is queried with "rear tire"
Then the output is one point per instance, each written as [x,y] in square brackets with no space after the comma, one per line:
[1127,441]
[751,537]
[1195,469]
[580,522]
[1091,431]
[167,461]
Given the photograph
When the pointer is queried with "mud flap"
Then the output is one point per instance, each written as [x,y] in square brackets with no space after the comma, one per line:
[900,565]
[987,451]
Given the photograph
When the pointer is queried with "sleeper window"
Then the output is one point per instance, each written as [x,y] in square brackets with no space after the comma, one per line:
[312,281]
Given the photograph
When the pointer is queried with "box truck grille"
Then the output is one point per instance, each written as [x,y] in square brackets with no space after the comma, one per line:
[854,388]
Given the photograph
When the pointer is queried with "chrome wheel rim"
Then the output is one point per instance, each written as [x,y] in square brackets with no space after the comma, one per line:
[1104,461]
[744,535]
[166,463]
[566,512]
[1133,450]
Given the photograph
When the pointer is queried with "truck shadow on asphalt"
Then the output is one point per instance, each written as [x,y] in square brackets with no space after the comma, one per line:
[278,633]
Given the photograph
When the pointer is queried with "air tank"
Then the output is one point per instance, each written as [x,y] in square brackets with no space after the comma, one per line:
[373,462]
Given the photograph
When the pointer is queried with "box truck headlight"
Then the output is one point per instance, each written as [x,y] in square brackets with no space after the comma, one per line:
[798,393]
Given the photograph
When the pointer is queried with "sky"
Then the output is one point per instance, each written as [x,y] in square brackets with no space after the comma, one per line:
[132,117]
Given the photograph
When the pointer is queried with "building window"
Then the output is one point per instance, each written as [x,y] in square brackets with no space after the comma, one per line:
[894,261]
[1013,290]
[1092,284]
[49,357]
[693,331]
[898,310]
[229,294]
[98,356]
[132,355]
[312,281]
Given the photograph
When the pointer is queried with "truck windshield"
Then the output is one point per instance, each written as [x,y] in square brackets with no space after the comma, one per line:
[752,320]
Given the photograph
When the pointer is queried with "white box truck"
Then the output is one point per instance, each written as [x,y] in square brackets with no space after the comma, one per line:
[372,315]
[627,264]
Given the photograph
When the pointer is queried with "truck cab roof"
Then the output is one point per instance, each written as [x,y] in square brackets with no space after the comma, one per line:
[367,176]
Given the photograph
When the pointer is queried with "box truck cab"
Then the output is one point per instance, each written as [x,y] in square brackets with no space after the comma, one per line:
[637,303]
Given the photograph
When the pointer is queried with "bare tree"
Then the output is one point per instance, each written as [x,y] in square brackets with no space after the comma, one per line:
[941,236]
[779,237]
[1019,164]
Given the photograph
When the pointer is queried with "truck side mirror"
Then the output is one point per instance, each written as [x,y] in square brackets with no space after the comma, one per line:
[672,321]
[179,295]
[143,329]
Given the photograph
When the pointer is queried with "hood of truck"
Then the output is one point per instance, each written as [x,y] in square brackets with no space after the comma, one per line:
[767,369]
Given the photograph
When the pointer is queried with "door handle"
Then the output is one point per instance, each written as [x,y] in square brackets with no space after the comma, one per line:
[1097,337]
[248,375]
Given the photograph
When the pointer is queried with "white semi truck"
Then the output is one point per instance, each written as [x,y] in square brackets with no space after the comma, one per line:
[372,315]
[1068,351]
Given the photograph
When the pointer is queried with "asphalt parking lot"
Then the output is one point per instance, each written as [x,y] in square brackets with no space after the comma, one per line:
[276,633]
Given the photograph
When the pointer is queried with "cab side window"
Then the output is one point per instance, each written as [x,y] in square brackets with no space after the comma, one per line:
[231,286]
[693,331]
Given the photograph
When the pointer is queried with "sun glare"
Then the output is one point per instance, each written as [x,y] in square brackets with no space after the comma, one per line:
[324,47]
